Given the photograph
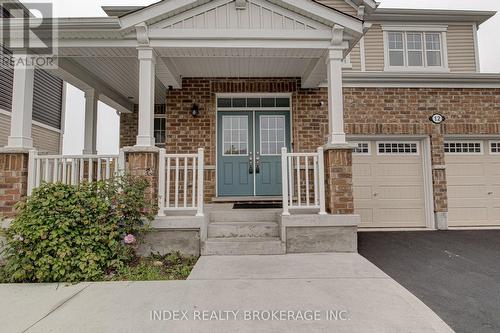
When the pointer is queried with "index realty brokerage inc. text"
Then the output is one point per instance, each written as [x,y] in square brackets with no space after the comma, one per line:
[249,315]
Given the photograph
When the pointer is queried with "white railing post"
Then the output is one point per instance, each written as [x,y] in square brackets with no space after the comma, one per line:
[31,171]
[201,193]
[321,181]
[284,181]
[121,162]
[161,183]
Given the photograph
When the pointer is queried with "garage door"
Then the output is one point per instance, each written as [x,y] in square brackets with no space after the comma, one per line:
[473,175]
[389,184]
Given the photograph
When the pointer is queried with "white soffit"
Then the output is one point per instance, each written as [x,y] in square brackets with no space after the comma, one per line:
[122,74]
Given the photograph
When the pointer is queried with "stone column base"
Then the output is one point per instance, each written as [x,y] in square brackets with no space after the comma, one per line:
[143,162]
[13,179]
[338,178]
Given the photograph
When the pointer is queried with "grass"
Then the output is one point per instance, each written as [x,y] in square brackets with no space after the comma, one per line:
[173,266]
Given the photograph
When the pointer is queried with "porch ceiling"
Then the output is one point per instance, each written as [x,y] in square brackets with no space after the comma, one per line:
[119,67]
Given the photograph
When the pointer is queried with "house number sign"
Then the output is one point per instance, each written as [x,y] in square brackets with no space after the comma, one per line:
[437,118]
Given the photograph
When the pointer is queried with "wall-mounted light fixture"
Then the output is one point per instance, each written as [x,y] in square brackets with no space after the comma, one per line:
[195,110]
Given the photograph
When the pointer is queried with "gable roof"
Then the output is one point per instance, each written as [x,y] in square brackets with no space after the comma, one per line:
[165,9]
[119,11]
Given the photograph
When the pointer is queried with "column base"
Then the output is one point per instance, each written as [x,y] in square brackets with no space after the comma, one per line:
[145,141]
[19,142]
[144,162]
[14,176]
[337,138]
[338,179]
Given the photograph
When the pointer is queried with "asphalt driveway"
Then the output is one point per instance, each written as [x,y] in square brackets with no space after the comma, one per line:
[455,273]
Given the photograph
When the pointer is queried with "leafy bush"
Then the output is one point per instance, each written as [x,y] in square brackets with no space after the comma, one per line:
[67,233]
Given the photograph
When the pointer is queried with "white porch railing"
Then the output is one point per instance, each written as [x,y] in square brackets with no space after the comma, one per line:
[180,183]
[71,169]
[303,181]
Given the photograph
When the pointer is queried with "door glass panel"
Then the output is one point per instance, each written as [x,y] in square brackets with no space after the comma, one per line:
[272,134]
[235,138]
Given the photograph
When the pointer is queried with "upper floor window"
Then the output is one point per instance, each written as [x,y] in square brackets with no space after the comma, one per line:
[415,50]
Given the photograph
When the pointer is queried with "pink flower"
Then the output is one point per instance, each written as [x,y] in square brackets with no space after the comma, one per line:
[129,239]
[18,238]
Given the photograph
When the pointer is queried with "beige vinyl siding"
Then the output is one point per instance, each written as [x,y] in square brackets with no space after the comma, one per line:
[461,48]
[4,129]
[340,5]
[374,49]
[44,139]
[355,58]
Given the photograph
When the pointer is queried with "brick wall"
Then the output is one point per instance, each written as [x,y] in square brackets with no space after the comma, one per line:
[13,181]
[406,111]
[370,111]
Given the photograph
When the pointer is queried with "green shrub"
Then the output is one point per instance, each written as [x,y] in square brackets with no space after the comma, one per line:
[69,233]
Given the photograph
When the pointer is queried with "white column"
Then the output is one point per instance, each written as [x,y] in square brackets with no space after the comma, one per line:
[90,131]
[22,108]
[335,96]
[147,62]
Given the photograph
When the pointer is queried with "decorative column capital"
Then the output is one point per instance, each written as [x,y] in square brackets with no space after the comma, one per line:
[146,54]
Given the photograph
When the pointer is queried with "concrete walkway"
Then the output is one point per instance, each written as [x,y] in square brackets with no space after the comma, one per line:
[341,292]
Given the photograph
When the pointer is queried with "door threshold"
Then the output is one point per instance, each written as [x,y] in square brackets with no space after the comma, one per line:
[247,199]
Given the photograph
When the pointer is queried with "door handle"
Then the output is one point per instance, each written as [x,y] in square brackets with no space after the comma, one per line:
[250,164]
[257,164]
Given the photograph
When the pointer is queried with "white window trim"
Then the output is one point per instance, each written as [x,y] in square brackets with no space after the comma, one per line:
[363,142]
[442,29]
[398,154]
[467,141]
[491,147]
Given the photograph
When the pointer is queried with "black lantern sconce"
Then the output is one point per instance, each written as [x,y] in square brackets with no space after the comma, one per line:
[195,110]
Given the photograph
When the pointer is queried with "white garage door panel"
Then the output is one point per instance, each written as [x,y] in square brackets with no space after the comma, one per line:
[473,186]
[389,189]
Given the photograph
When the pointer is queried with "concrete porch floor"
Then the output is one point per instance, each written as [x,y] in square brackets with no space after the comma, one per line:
[338,282]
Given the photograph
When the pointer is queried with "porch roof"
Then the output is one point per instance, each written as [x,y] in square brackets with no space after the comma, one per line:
[199,38]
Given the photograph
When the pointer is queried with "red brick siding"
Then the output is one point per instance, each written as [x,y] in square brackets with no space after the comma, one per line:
[338,181]
[13,181]
[368,111]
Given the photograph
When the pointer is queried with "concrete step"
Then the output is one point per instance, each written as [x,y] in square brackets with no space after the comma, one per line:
[245,215]
[242,229]
[243,246]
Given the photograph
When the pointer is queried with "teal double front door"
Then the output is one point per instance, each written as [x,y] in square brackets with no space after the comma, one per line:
[249,152]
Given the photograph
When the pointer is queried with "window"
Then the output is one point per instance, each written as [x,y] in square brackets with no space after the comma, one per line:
[396,49]
[272,134]
[235,135]
[399,148]
[362,149]
[463,147]
[160,125]
[433,49]
[495,147]
[414,50]
[267,102]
